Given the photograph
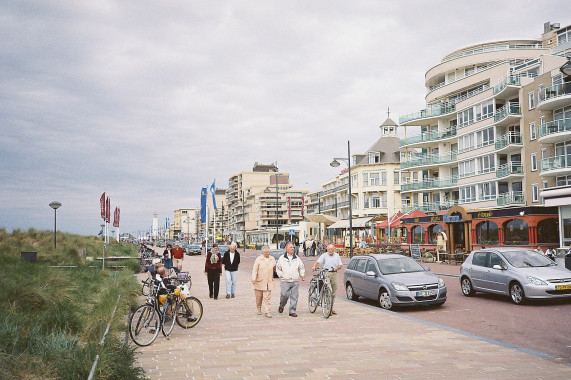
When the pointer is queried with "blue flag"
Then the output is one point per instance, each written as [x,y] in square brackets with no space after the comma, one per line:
[203,205]
[213,191]
[100,232]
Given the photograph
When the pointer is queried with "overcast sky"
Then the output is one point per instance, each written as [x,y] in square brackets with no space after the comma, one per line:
[150,101]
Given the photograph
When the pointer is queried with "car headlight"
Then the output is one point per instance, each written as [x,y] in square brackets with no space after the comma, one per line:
[441,283]
[399,286]
[535,281]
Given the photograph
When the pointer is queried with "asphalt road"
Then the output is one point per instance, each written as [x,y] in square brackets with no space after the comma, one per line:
[541,326]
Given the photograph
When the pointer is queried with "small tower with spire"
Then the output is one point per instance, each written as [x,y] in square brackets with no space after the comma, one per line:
[389,127]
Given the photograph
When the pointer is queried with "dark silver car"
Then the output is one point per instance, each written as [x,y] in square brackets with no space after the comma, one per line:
[392,280]
[194,249]
[518,272]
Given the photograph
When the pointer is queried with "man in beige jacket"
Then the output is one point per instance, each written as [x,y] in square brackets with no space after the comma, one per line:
[263,279]
[290,268]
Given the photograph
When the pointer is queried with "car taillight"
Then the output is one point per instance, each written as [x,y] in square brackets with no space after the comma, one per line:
[460,268]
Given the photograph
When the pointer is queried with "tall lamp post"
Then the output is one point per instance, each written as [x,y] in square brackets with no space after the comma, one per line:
[55,205]
[277,221]
[244,219]
[335,164]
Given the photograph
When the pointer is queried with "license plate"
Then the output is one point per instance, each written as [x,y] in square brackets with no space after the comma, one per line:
[425,293]
[562,287]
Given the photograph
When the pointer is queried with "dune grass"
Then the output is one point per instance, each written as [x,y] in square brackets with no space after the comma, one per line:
[52,319]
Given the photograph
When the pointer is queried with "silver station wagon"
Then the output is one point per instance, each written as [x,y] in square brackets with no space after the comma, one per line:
[392,280]
[518,272]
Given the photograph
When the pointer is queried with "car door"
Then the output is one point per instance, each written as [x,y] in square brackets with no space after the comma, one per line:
[370,283]
[497,279]
[478,270]
[359,277]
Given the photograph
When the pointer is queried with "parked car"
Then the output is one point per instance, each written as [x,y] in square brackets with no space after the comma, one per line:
[223,249]
[194,249]
[516,272]
[276,253]
[392,280]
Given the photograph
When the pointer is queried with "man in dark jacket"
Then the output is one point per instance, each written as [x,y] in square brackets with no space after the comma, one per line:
[231,260]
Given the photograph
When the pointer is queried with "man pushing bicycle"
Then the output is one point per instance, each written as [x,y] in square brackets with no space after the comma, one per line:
[330,261]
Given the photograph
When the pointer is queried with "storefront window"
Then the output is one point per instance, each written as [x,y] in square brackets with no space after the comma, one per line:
[566,221]
[487,233]
[417,235]
[547,231]
[516,232]
[433,231]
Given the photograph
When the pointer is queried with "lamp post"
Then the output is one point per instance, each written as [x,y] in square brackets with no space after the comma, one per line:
[277,221]
[244,220]
[335,164]
[55,205]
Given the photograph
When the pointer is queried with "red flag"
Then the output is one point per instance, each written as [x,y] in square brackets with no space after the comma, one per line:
[102,204]
[289,208]
[118,216]
[108,210]
[115,217]
[302,205]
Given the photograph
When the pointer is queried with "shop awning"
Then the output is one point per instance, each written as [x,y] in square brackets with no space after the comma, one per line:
[321,218]
[395,221]
[357,223]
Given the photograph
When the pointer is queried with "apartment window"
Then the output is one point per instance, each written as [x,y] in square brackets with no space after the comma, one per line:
[557,79]
[486,164]
[396,177]
[533,162]
[373,179]
[383,178]
[543,153]
[535,192]
[487,190]
[376,201]
[531,97]
[365,200]
[374,157]
[545,184]
[532,131]
[365,179]
[468,194]
[353,160]
[355,181]
[384,200]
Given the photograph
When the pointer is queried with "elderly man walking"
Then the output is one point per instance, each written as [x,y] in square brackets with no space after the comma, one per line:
[289,269]
[330,261]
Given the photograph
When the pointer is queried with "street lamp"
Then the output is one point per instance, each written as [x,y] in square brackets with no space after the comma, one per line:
[277,211]
[335,164]
[55,205]
[566,68]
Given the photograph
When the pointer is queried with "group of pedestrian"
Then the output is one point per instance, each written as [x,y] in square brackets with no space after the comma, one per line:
[173,257]
[213,270]
[312,247]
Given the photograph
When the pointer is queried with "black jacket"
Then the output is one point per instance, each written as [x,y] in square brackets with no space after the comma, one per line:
[226,261]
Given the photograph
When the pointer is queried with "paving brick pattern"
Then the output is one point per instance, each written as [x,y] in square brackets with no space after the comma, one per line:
[233,342]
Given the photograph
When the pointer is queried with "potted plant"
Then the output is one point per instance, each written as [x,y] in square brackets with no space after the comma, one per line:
[427,257]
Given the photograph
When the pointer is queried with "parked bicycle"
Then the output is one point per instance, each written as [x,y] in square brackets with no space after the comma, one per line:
[320,293]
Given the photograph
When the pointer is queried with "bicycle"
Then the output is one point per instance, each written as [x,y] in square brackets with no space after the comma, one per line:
[320,294]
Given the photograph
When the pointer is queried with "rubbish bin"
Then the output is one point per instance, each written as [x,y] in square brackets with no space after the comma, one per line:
[29,256]
[568,261]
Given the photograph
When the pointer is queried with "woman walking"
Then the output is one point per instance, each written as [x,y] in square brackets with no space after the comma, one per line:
[213,271]
[263,279]
[167,255]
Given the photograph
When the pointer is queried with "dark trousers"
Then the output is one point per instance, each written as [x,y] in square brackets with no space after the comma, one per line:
[213,282]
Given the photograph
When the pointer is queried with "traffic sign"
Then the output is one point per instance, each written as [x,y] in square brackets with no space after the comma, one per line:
[291,231]
[182,235]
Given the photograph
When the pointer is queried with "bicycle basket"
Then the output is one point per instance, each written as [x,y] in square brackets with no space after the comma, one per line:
[183,276]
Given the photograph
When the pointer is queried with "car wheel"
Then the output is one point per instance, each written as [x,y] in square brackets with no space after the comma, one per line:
[350,293]
[467,288]
[516,293]
[385,300]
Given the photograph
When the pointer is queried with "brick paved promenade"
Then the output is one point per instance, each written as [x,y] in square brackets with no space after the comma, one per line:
[360,342]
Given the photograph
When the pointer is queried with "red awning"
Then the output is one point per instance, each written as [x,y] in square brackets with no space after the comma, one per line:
[395,221]
[415,214]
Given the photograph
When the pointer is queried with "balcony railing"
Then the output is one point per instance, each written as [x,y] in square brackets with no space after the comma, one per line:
[430,184]
[429,159]
[511,198]
[509,138]
[428,206]
[429,136]
[510,80]
[510,168]
[554,92]
[555,163]
[493,48]
[555,126]
[508,109]
[431,111]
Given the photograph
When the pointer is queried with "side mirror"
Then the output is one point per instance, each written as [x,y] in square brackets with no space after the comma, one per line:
[370,273]
[427,269]
[498,267]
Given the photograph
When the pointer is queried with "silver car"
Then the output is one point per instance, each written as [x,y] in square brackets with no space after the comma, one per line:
[392,280]
[518,272]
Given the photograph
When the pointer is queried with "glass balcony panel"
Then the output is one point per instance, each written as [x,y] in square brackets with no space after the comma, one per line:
[510,198]
[508,139]
[429,136]
[555,163]
[429,159]
[555,126]
[554,92]
[508,109]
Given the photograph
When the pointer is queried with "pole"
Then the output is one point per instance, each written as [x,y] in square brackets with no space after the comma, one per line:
[244,220]
[222,223]
[350,203]
[277,223]
[55,229]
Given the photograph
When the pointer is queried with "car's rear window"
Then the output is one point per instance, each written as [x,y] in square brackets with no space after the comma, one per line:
[526,258]
[399,265]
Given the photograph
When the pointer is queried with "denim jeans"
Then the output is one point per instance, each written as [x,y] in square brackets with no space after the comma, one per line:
[230,281]
[289,291]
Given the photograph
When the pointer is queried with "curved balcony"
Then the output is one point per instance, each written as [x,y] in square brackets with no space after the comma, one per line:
[511,198]
[428,206]
[510,142]
[429,160]
[513,168]
[554,97]
[508,114]
[430,183]
[555,166]
[427,138]
[555,131]
[432,112]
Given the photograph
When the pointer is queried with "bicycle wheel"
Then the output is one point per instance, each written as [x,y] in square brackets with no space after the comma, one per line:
[144,325]
[312,298]
[169,314]
[326,301]
[189,312]
[146,287]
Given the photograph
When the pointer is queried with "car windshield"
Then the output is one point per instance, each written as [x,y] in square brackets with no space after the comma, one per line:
[527,258]
[399,265]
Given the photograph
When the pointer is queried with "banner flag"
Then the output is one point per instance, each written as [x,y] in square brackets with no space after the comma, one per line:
[289,208]
[102,205]
[100,232]
[203,205]
[213,191]
[302,205]
[118,216]
[108,210]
